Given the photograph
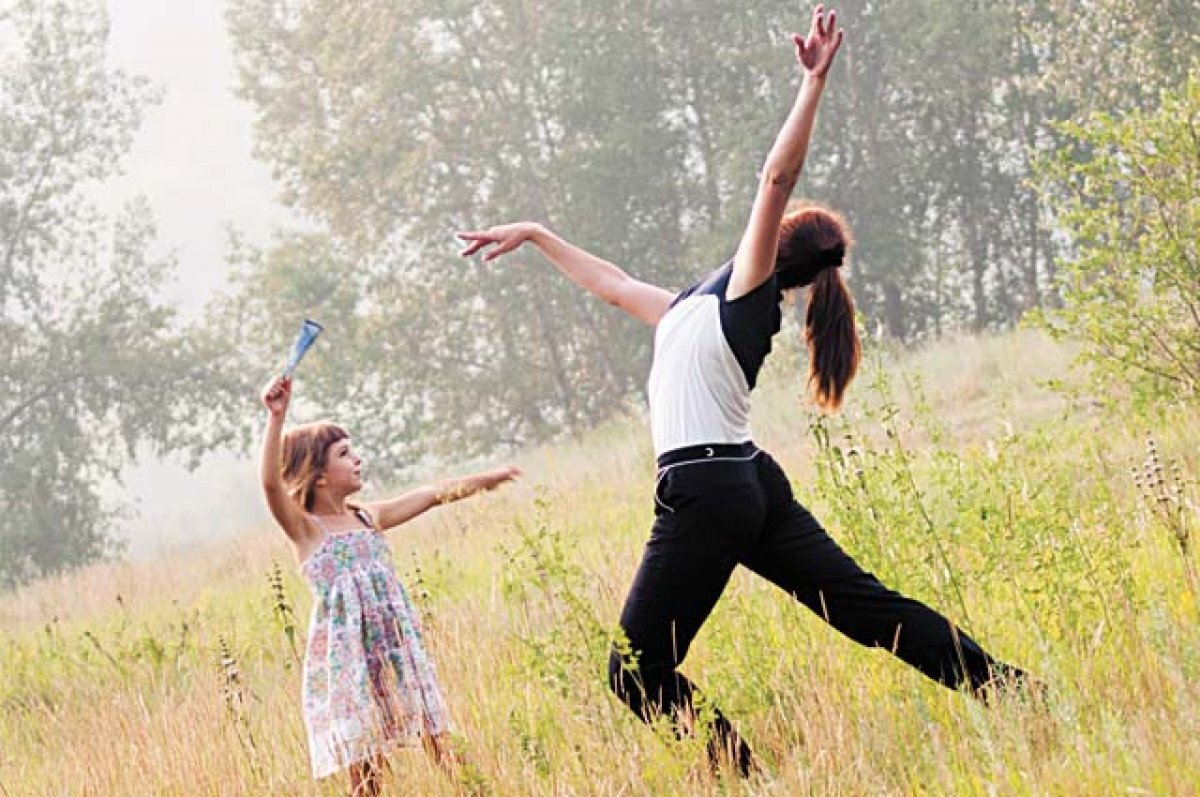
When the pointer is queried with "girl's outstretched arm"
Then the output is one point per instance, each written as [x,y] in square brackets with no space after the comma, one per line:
[407,506]
[275,397]
[755,259]
[641,300]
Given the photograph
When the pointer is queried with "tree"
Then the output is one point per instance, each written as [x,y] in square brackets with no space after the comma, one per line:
[93,366]
[390,127]
[1132,288]
[638,130]
[1077,58]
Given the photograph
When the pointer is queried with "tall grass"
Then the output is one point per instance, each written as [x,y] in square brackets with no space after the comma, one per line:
[956,477]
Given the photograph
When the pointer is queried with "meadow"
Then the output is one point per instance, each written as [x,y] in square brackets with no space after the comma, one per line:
[1059,527]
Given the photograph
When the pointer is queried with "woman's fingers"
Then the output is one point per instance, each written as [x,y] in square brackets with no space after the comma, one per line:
[505,245]
[823,25]
[476,241]
[474,247]
[505,238]
[816,51]
[481,240]
[831,51]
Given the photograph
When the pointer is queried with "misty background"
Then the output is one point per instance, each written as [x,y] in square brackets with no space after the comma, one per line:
[182,183]
[192,159]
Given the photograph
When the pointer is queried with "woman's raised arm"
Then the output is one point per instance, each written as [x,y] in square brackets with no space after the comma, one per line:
[755,259]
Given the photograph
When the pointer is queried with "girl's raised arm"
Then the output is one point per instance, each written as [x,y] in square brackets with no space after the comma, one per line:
[641,300]
[275,397]
[407,506]
[755,259]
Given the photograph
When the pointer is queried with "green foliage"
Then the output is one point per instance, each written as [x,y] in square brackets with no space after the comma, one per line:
[1132,289]
[569,642]
[637,130]
[1169,500]
[413,150]
[634,128]
[1037,525]
[1107,55]
[1004,521]
[93,365]
[282,609]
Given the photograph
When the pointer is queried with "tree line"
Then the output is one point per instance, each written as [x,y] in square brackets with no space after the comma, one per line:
[955,137]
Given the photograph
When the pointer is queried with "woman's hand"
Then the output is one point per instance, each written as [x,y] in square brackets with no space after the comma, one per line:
[816,52]
[277,394]
[506,237]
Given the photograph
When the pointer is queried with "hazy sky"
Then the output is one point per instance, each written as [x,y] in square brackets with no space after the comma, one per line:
[192,159]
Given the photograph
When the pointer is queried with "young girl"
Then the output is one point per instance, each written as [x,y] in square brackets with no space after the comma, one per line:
[368,683]
[720,501]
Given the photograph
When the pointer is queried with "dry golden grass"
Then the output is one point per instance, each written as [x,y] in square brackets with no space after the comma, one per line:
[519,587]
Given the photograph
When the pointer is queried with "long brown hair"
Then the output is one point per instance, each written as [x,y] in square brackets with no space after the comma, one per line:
[813,244]
[303,457]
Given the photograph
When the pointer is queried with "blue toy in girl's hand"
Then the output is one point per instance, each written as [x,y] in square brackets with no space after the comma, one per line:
[308,333]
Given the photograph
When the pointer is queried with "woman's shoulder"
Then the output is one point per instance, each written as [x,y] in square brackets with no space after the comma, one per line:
[712,284]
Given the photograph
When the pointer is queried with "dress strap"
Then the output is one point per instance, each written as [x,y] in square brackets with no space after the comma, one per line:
[362,515]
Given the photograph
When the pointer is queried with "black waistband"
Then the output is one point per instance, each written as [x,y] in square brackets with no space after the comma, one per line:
[715,451]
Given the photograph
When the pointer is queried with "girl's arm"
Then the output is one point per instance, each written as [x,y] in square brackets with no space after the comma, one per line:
[407,506]
[642,301]
[755,259]
[275,397]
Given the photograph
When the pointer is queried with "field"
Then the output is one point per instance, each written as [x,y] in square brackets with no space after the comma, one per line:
[1059,529]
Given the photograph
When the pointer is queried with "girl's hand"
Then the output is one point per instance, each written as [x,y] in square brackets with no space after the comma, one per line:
[277,394]
[507,237]
[816,52]
[494,478]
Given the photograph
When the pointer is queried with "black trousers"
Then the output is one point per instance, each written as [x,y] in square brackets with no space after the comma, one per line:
[717,507]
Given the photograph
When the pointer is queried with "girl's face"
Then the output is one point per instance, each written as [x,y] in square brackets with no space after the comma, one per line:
[343,469]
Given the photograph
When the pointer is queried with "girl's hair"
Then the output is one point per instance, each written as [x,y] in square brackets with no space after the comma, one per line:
[302,459]
[813,243]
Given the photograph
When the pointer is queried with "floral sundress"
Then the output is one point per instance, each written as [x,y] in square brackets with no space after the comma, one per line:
[369,685]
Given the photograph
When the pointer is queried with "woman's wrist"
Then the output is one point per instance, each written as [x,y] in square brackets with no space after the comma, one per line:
[813,82]
[537,233]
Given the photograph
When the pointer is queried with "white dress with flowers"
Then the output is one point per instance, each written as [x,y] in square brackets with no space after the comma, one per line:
[368,684]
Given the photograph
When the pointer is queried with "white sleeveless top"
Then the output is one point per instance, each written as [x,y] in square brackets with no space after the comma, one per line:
[707,355]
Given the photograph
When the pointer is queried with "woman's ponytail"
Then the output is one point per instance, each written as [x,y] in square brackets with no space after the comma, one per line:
[813,242]
[832,337]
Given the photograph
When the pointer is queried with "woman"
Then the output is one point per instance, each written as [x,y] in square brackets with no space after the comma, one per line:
[721,501]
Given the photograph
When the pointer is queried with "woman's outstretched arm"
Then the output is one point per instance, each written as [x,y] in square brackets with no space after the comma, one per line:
[755,259]
[641,300]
